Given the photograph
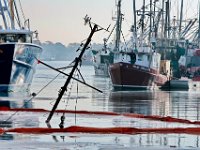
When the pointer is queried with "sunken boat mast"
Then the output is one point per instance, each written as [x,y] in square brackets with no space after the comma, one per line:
[77,61]
[19,46]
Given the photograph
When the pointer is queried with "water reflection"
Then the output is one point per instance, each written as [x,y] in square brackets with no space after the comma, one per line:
[8,119]
[141,102]
[15,103]
[179,104]
[185,104]
[6,124]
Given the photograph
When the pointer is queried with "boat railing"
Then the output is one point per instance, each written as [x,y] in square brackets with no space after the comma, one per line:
[141,67]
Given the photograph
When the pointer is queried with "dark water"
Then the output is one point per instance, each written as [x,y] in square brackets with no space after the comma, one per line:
[178,104]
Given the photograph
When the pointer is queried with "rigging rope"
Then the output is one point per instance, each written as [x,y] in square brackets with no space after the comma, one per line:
[33,96]
[62,118]
[76,98]
[124,40]
[61,125]
[20,4]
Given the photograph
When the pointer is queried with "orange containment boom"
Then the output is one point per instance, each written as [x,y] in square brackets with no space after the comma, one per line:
[130,115]
[110,130]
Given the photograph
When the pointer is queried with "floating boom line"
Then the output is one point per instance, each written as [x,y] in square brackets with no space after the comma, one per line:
[104,130]
[128,115]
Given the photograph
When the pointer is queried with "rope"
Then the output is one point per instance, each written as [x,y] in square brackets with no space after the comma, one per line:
[20,4]
[124,40]
[62,118]
[33,96]
[76,98]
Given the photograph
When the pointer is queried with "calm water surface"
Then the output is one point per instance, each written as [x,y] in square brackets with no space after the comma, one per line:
[178,104]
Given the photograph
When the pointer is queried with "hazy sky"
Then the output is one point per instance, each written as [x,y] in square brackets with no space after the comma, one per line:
[62,20]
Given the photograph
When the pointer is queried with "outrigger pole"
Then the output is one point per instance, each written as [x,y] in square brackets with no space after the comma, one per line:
[77,61]
[45,64]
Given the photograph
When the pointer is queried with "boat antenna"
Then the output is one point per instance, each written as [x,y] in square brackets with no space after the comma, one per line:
[199,23]
[118,26]
[94,28]
[181,19]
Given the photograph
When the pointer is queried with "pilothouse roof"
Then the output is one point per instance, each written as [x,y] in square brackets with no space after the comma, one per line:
[15,31]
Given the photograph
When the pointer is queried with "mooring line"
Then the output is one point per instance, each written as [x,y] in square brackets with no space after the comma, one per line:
[33,96]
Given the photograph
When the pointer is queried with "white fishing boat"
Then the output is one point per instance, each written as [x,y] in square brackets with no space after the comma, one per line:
[19,46]
[138,66]
[102,58]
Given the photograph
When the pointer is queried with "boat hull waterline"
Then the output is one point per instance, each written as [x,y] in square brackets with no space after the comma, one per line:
[125,75]
[185,84]
[18,63]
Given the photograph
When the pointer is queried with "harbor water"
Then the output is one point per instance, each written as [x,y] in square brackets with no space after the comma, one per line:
[46,85]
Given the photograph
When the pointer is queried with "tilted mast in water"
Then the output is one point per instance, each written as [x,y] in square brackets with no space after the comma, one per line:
[77,61]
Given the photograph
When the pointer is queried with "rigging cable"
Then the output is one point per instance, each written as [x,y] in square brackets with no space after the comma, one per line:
[16,14]
[124,40]
[76,98]
[20,4]
[62,118]
[33,96]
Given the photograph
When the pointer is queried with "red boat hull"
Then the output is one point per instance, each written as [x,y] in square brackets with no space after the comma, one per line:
[124,75]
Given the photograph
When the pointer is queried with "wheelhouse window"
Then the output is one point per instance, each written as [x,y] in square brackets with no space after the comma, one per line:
[21,38]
